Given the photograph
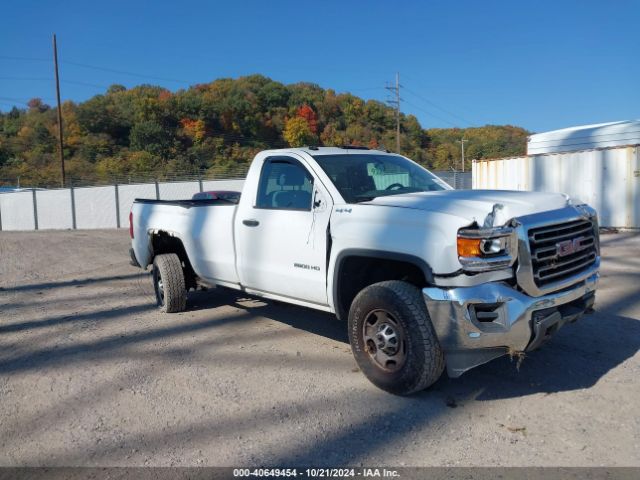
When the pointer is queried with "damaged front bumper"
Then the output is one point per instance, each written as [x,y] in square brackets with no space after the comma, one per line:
[477,324]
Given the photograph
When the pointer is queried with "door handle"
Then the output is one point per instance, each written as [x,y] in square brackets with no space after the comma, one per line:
[251,223]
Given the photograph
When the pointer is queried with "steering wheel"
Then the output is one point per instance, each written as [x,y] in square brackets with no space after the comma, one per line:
[395,186]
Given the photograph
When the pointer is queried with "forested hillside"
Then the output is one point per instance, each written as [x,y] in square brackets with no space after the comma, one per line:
[214,129]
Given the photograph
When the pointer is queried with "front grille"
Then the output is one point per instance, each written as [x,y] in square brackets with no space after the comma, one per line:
[561,251]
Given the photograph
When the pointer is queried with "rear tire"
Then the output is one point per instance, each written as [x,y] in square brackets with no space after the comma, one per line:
[392,338]
[169,284]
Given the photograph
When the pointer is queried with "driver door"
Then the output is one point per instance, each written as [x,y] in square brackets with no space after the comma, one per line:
[282,236]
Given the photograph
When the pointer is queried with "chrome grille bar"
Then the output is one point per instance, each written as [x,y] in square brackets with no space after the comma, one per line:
[555,238]
[566,267]
[550,262]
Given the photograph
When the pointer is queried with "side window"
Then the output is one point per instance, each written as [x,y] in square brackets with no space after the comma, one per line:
[285,185]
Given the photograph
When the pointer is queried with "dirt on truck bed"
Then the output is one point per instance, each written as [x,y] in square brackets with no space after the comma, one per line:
[91,373]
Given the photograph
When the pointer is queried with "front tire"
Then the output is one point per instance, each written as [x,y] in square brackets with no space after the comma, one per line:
[392,338]
[169,284]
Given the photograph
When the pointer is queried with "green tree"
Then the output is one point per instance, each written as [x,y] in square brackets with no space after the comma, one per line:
[151,137]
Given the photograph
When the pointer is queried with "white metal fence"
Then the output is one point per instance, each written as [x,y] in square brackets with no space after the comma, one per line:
[92,207]
[109,206]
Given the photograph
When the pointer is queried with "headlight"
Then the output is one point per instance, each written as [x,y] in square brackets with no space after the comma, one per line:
[485,249]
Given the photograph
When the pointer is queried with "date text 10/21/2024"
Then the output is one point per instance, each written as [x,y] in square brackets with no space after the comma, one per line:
[316,472]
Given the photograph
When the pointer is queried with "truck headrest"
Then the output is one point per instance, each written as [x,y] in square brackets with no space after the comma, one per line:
[291,177]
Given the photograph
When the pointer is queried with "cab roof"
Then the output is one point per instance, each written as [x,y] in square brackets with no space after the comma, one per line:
[347,150]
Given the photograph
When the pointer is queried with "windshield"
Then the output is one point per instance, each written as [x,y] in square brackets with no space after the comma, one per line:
[360,178]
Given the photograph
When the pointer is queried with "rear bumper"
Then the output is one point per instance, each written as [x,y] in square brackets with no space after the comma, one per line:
[477,324]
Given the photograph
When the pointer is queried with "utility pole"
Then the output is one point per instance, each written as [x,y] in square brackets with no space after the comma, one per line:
[461,142]
[60,144]
[395,102]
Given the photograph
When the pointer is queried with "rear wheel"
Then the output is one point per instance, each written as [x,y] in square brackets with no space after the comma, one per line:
[169,284]
[392,338]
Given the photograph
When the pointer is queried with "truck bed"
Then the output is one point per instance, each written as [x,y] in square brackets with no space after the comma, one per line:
[204,227]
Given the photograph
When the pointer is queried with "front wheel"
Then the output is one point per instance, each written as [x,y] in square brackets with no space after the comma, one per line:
[392,338]
[169,284]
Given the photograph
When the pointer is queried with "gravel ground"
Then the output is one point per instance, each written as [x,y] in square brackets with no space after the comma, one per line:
[92,374]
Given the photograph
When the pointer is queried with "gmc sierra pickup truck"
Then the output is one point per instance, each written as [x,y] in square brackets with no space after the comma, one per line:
[426,276]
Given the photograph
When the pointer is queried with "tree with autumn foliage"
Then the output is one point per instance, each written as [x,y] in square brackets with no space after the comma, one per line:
[303,128]
[298,133]
[216,128]
[306,112]
[194,129]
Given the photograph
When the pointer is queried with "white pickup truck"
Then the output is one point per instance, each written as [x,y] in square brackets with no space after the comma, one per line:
[425,275]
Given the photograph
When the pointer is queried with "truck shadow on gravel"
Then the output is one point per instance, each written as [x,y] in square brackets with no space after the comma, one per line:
[312,321]
[570,361]
[91,316]
[566,363]
[576,358]
[71,283]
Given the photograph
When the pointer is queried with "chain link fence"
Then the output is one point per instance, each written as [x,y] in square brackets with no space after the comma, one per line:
[108,206]
[458,180]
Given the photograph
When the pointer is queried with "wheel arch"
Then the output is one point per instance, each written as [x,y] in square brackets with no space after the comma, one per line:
[386,265]
[163,241]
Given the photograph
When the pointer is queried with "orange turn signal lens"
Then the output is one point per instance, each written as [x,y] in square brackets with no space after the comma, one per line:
[469,247]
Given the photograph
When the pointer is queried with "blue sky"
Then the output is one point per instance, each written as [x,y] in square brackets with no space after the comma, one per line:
[541,65]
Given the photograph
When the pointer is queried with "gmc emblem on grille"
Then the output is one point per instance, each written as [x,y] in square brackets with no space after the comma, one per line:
[570,246]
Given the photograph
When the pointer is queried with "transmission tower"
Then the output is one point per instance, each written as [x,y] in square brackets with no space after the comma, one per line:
[395,103]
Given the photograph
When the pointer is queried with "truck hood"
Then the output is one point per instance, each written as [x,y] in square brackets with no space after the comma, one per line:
[475,205]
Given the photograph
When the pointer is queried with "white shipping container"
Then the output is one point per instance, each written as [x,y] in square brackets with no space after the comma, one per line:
[585,137]
[607,179]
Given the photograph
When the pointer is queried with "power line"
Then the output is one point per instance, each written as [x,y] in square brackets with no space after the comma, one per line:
[84,84]
[9,99]
[34,79]
[24,59]
[124,72]
[442,109]
[368,89]
[45,79]
[8,104]
[96,67]
[431,113]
